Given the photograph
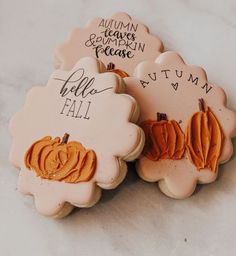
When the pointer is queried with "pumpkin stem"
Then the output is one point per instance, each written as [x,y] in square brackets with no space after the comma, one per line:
[65,138]
[110,66]
[201,104]
[161,116]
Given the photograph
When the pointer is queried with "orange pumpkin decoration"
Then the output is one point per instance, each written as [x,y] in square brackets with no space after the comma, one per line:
[204,138]
[164,139]
[121,73]
[58,160]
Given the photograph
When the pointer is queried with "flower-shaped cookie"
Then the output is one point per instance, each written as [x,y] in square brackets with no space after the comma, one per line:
[118,40]
[73,136]
[187,125]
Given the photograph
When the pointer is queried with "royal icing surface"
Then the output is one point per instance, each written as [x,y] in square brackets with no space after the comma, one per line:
[187,148]
[119,40]
[90,111]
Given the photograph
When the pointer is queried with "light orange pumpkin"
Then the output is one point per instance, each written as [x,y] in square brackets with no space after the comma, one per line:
[58,160]
[121,73]
[204,138]
[164,139]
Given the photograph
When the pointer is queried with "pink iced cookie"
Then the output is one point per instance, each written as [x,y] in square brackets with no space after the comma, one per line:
[187,125]
[118,40]
[73,137]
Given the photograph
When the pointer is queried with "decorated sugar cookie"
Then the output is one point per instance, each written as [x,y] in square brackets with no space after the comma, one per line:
[119,42]
[187,126]
[73,137]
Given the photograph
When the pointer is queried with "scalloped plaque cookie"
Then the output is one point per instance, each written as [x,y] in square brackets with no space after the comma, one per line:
[187,126]
[73,137]
[119,40]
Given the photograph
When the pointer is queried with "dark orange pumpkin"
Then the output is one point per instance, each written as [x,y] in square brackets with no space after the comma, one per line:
[164,139]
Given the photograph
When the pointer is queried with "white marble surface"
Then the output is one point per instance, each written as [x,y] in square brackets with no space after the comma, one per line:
[135,219]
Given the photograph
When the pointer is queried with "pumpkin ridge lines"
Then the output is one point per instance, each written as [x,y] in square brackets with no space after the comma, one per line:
[58,161]
[50,163]
[217,141]
[67,168]
[166,137]
[211,137]
[61,155]
[163,137]
[190,143]
[34,161]
[208,136]
[203,136]
[81,167]
[175,140]
[82,163]
[149,151]
[212,156]
[69,177]
[193,146]
[46,161]
[156,147]
[172,138]
[44,153]
[28,153]
[197,144]
[157,142]
[179,147]
[199,136]
[91,160]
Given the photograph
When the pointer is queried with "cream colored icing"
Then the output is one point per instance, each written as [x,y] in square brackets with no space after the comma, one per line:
[170,86]
[120,33]
[103,125]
